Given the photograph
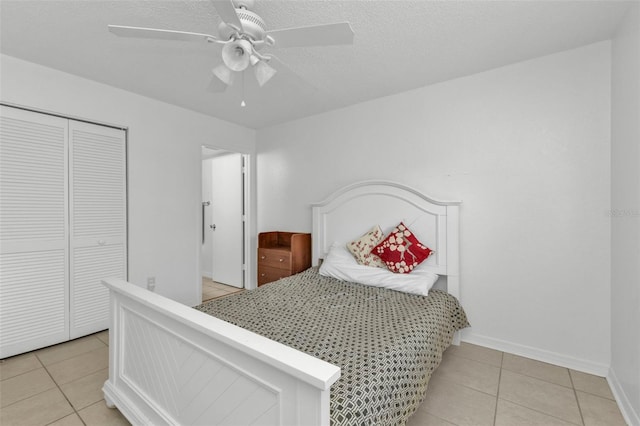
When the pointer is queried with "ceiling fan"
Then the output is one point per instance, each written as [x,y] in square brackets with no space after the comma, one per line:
[242,35]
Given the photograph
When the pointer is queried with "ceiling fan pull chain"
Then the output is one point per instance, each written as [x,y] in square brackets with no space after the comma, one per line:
[243,104]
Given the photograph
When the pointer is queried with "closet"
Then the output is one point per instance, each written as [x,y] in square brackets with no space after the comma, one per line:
[62,227]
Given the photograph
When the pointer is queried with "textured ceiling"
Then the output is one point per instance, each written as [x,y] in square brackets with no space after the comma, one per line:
[399,45]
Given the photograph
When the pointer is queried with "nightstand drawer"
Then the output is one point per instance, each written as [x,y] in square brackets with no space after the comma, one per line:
[267,274]
[274,258]
[282,254]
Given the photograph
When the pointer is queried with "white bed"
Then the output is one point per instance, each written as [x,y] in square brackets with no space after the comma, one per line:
[162,353]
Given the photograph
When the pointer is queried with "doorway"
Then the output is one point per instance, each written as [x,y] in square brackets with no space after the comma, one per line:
[223,217]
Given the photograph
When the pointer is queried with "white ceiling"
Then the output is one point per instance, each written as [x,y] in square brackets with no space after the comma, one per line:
[399,45]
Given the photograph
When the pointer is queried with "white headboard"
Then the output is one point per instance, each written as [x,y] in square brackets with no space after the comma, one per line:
[351,211]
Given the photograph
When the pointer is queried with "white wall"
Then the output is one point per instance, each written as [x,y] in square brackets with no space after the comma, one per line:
[625,221]
[164,162]
[526,148]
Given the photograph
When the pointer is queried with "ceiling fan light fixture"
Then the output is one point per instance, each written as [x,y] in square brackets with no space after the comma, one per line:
[236,54]
[263,72]
[224,74]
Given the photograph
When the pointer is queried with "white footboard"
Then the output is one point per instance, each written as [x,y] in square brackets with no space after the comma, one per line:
[171,364]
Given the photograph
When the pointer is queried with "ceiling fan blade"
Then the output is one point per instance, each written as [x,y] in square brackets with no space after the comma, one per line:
[298,84]
[139,32]
[317,35]
[227,12]
[263,72]
[292,78]
[216,85]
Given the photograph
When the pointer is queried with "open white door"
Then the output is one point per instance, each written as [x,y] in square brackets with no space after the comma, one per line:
[226,219]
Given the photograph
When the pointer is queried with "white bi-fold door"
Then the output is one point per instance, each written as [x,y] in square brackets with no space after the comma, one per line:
[34,263]
[98,223]
[62,227]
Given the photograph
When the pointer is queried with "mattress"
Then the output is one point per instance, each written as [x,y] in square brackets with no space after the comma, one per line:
[387,343]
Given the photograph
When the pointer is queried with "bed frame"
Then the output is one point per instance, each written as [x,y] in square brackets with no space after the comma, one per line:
[170,364]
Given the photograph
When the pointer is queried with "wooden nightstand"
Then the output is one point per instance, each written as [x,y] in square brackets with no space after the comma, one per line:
[281,254]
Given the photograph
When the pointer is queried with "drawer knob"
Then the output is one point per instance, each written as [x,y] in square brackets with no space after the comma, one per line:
[263,257]
[262,275]
[281,260]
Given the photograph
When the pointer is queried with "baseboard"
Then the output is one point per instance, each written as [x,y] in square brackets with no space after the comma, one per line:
[627,410]
[207,274]
[555,358]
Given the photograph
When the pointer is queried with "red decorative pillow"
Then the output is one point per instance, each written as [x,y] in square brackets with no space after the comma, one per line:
[401,251]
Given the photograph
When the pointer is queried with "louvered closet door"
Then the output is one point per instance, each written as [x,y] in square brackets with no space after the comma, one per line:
[33,231]
[98,222]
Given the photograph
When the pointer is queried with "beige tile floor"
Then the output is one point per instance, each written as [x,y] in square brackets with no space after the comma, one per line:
[213,290]
[479,386]
[61,385]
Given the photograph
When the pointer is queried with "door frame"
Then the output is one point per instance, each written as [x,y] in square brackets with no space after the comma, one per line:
[247,258]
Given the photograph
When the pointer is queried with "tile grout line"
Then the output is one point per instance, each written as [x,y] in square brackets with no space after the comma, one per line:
[2,361]
[27,372]
[437,417]
[495,410]
[519,404]
[541,412]
[477,360]
[46,370]
[538,378]
[76,412]
[62,392]
[469,387]
[575,394]
[524,375]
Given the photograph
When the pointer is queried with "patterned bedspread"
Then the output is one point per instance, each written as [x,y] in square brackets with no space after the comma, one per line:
[387,343]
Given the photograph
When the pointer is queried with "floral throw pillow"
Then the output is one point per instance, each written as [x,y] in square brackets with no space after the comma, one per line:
[401,251]
[361,248]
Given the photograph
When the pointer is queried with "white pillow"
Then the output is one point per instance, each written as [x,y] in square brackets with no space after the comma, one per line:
[340,264]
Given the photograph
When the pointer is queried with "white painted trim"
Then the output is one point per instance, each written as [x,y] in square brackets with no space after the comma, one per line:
[309,369]
[65,116]
[537,354]
[301,383]
[368,183]
[330,222]
[626,408]
[250,221]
